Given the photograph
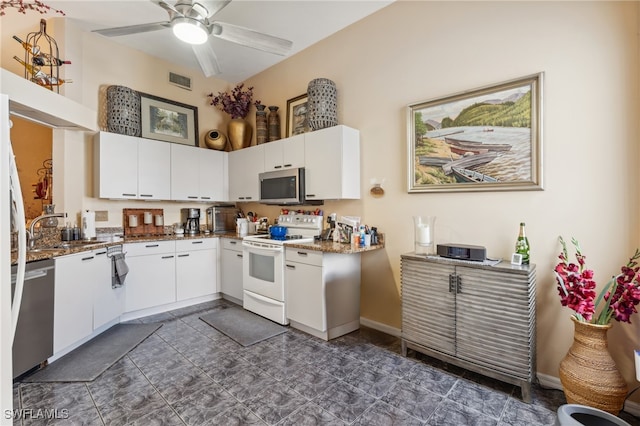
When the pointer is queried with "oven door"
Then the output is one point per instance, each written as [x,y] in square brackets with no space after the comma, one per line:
[263,270]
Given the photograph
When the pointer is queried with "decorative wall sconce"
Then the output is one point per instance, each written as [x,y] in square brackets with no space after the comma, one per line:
[376,187]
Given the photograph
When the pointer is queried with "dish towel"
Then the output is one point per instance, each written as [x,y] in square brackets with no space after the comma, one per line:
[119,270]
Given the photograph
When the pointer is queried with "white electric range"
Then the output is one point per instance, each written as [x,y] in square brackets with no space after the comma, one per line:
[263,265]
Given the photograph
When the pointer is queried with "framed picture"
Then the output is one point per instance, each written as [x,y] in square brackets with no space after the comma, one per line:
[297,116]
[486,139]
[169,121]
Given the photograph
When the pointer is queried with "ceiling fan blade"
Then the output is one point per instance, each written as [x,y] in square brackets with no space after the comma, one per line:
[207,59]
[250,38]
[133,29]
[216,6]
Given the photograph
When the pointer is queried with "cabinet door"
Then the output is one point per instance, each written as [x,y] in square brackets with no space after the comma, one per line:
[428,305]
[213,175]
[115,166]
[108,302]
[73,301]
[284,153]
[154,170]
[244,167]
[332,163]
[151,281]
[185,173]
[493,320]
[305,295]
[231,265]
[195,273]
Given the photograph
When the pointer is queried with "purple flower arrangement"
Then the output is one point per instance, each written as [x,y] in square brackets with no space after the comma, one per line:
[576,288]
[236,103]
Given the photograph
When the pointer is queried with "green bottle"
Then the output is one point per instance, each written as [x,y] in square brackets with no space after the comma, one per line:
[522,245]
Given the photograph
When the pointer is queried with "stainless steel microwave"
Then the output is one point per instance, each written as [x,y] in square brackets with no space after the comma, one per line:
[282,187]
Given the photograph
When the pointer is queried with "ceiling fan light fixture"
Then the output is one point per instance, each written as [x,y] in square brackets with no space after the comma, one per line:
[190,30]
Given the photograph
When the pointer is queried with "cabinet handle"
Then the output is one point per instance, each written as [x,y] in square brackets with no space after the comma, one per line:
[197,242]
[303,253]
[128,195]
[192,197]
[206,198]
[167,257]
[87,258]
[287,165]
[233,242]
[247,198]
[146,195]
[290,266]
[183,255]
[452,283]
[310,195]
[152,245]
[239,255]
[277,167]
[458,284]
[240,198]
[100,253]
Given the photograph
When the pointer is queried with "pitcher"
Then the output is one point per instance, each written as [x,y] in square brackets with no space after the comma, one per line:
[424,234]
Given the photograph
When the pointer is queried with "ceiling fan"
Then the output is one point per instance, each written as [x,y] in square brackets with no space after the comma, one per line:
[193,23]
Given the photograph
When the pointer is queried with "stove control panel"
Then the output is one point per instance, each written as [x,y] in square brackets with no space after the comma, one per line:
[301,221]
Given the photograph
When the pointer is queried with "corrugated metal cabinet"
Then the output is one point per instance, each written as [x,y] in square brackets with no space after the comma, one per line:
[479,317]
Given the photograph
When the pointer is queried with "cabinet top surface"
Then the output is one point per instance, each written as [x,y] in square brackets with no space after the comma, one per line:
[503,266]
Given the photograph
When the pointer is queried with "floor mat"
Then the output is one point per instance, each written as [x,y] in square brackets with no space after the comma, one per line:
[242,326]
[88,361]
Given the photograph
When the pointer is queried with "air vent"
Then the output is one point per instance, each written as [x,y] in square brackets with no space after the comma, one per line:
[180,80]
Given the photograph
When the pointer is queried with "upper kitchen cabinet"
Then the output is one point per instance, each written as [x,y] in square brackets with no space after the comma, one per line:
[198,174]
[130,167]
[244,167]
[284,153]
[332,163]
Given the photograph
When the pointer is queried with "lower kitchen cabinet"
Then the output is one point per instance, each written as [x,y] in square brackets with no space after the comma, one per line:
[323,292]
[231,264]
[73,302]
[151,280]
[481,318]
[196,270]
[108,302]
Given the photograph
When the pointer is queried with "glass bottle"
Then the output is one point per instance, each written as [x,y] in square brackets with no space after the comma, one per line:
[522,245]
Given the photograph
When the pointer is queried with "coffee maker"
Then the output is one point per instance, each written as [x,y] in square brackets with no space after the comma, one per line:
[190,219]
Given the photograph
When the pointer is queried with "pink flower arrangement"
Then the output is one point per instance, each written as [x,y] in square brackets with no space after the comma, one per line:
[236,103]
[577,289]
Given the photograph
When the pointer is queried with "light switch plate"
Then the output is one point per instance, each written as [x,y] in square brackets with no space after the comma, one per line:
[102,215]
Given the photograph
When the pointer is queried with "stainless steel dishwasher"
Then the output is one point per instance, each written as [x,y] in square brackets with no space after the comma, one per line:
[33,342]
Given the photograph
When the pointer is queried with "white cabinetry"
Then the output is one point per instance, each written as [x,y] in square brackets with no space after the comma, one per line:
[231,265]
[196,269]
[244,167]
[332,163]
[198,174]
[108,302]
[284,153]
[151,280]
[75,275]
[323,292]
[131,168]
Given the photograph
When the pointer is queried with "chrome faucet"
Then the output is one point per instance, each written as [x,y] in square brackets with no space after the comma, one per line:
[30,233]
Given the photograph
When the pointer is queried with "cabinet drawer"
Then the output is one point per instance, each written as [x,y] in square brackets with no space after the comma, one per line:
[196,244]
[151,247]
[309,257]
[231,244]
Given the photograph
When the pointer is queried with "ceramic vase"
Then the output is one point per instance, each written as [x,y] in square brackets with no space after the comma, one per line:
[261,124]
[322,104]
[215,139]
[123,111]
[588,374]
[274,124]
[239,133]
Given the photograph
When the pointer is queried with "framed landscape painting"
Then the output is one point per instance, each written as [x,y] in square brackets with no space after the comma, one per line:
[486,139]
[169,121]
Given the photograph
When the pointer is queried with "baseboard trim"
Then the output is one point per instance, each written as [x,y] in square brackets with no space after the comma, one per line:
[380,327]
[553,382]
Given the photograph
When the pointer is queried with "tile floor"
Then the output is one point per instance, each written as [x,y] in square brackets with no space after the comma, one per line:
[187,373]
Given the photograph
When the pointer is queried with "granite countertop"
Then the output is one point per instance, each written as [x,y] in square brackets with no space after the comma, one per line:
[323,246]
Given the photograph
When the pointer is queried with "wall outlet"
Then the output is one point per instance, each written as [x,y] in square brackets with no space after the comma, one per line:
[102,216]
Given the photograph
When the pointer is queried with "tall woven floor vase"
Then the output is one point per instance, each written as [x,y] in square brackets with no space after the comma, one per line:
[588,374]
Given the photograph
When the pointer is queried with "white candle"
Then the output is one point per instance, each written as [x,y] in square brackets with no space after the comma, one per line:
[424,234]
